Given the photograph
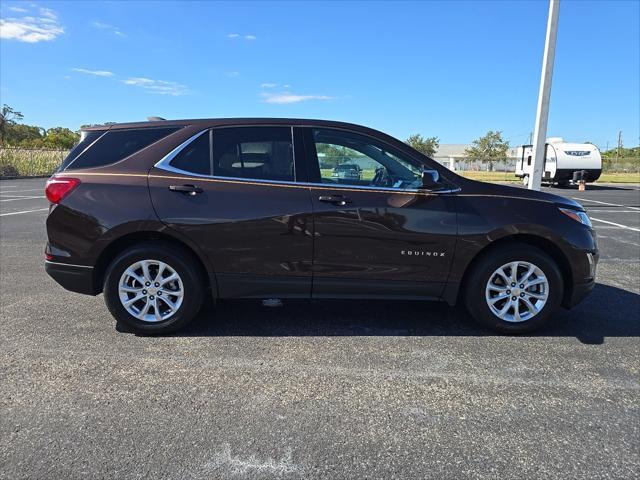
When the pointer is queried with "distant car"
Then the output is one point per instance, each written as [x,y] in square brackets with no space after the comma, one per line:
[158,215]
[347,171]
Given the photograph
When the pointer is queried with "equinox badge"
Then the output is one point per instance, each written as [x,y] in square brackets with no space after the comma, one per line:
[422,253]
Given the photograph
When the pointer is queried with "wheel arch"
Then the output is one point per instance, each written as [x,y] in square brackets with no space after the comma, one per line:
[120,244]
[543,244]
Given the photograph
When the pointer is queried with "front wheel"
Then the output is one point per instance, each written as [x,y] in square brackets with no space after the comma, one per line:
[514,289]
[153,289]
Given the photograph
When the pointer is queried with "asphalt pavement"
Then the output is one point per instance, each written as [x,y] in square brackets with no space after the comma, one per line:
[334,389]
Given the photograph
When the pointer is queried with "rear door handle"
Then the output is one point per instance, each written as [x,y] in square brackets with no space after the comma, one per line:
[339,200]
[187,189]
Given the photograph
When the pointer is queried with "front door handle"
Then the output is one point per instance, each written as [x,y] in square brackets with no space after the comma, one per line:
[187,189]
[339,200]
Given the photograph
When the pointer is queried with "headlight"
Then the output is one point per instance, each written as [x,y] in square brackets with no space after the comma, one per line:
[578,216]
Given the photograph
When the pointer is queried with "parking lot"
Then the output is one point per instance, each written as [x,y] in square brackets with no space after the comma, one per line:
[332,389]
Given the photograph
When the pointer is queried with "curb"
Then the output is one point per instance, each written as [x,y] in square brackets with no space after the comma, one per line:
[24,177]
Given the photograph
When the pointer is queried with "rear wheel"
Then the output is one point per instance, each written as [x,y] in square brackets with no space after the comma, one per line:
[514,289]
[153,289]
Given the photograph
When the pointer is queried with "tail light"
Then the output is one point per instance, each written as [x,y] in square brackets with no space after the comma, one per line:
[58,188]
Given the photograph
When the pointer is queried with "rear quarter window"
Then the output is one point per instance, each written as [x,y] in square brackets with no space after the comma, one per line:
[195,157]
[87,137]
[101,148]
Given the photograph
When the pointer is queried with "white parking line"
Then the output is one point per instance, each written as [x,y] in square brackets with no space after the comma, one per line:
[617,224]
[21,198]
[605,203]
[26,190]
[613,211]
[24,211]
[606,227]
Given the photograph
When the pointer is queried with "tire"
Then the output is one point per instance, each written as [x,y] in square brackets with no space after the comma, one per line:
[165,319]
[478,290]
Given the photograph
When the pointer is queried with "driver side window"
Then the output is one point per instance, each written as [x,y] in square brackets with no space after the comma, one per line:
[347,158]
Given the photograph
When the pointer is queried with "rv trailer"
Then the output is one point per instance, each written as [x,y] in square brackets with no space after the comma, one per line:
[562,159]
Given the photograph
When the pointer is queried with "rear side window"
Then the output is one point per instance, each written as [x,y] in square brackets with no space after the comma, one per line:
[264,153]
[115,145]
[87,137]
[195,157]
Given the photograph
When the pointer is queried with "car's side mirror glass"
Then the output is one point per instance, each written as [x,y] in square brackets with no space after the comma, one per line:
[431,180]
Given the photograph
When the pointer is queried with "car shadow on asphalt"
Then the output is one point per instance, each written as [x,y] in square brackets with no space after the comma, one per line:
[607,312]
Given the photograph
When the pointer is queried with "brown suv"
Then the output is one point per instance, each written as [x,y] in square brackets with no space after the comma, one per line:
[159,214]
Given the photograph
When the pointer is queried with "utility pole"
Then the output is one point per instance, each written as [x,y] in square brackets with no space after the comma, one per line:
[619,145]
[542,112]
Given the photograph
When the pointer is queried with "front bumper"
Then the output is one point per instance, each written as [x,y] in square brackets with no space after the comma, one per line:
[582,287]
[578,293]
[75,278]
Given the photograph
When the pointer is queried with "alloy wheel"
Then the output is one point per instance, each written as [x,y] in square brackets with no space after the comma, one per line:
[517,291]
[151,290]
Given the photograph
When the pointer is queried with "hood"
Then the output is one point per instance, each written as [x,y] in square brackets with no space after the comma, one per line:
[519,192]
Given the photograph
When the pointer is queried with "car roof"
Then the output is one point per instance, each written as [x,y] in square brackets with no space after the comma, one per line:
[215,122]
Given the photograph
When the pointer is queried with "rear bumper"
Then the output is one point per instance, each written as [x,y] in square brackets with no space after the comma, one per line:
[75,278]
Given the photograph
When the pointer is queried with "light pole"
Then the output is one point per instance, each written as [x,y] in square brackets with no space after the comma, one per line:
[542,112]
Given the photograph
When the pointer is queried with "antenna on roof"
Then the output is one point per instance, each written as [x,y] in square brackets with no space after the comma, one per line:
[155,119]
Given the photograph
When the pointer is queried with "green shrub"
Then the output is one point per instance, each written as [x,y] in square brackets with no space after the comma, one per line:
[7,170]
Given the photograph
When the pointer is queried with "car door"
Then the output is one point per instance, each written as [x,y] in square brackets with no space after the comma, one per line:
[232,192]
[379,233]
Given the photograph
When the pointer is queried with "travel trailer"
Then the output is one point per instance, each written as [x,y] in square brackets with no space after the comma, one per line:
[561,161]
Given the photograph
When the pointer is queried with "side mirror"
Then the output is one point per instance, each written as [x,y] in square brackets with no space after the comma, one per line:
[431,180]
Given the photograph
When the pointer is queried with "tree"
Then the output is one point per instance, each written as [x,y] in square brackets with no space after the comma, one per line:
[21,135]
[489,148]
[8,116]
[60,137]
[426,146]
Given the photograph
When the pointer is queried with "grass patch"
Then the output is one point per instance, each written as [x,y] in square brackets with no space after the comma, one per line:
[631,177]
[16,162]
[490,176]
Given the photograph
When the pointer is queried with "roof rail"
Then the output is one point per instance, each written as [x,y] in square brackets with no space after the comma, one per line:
[155,119]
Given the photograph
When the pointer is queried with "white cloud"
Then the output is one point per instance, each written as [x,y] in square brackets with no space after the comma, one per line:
[97,73]
[40,26]
[48,13]
[285,98]
[268,85]
[233,74]
[106,26]
[159,87]
[246,37]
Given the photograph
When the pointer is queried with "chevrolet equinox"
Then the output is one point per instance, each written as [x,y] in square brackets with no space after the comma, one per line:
[157,215]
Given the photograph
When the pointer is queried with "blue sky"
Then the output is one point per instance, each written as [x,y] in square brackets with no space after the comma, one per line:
[449,69]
